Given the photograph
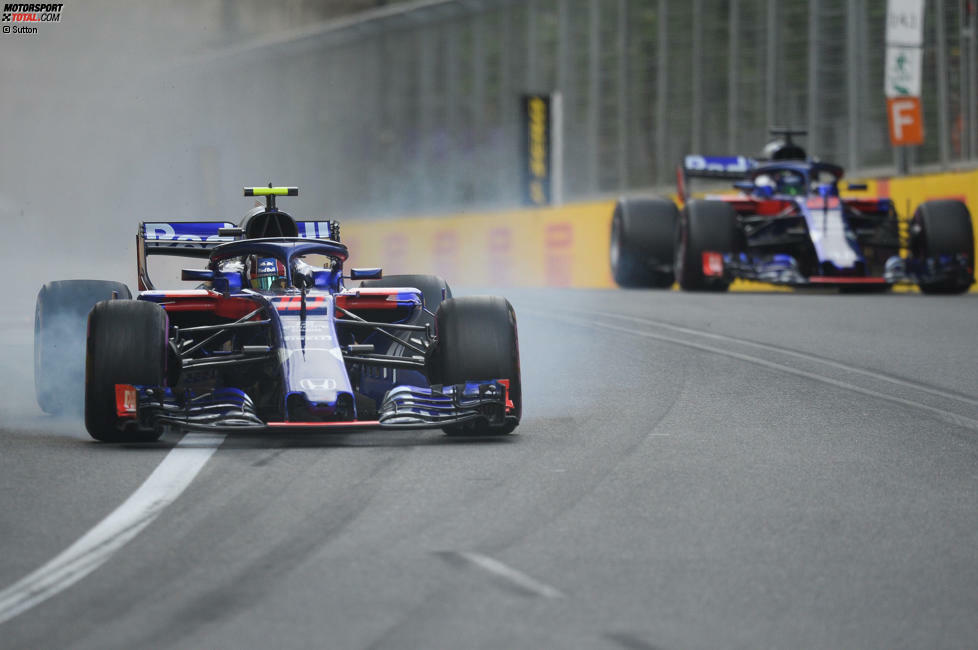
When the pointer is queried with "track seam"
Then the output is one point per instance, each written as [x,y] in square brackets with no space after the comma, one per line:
[947,416]
[937,392]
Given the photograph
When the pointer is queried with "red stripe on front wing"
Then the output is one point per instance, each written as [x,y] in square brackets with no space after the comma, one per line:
[824,280]
[326,425]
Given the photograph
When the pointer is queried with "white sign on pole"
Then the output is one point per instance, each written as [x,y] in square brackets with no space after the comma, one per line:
[901,77]
[905,22]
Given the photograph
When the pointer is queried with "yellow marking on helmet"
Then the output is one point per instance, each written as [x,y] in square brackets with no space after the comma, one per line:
[267,191]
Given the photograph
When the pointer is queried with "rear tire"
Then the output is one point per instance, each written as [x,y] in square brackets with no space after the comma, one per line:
[127,344]
[478,340]
[60,316]
[641,242]
[704,226]
[943,228]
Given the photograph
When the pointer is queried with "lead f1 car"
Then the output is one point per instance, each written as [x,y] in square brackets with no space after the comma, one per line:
[788,225]
[273,339]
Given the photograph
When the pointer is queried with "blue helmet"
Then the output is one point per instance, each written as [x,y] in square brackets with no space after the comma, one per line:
[267,273]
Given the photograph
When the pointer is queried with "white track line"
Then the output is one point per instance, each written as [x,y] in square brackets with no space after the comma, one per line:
[947,416]
[510,575]
[794,353]
[93,549]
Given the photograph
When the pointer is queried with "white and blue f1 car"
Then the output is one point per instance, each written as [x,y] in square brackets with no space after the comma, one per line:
[787,225]
[273,339]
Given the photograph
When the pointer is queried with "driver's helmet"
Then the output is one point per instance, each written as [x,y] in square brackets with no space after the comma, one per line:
[780,150]
[266,273]
[791,183]
[765,185]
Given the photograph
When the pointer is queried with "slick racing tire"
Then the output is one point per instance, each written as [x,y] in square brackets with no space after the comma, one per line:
[477,340]
[60,316]
[433,288]
[127,344]
[943,228]
[641,251]
[704,226]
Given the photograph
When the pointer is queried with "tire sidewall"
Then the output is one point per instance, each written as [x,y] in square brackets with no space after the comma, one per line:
[126,344]
[703,226]
[478,340]
[60,323]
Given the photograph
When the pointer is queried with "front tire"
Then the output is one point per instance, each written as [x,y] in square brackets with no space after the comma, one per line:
[943,228]
[60,315]
[704,226]
[478,341]
[127,344]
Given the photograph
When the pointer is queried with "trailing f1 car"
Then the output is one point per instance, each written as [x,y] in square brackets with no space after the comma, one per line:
[788,225]
[273,339]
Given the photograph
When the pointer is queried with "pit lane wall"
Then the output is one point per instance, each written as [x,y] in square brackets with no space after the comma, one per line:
[564,246]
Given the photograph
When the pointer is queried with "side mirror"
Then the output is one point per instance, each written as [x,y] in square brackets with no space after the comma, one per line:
[301,280]
[366,274]
[226,282]
[325,279]
[196,274]
[858,187]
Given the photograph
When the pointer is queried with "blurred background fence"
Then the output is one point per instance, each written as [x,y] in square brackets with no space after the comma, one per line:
[413,107]
[417,110]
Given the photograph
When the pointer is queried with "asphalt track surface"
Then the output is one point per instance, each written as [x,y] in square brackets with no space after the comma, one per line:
[692,471]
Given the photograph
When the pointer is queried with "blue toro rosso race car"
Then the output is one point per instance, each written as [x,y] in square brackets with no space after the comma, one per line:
[273,339]
[787,225]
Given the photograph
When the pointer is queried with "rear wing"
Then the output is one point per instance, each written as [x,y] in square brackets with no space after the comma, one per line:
[717,167]
[200,238]
[184,238]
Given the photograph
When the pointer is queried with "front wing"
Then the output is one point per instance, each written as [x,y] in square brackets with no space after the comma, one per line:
[784,270]
[231,409]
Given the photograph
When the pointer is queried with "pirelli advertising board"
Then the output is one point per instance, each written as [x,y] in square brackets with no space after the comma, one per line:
[536,149]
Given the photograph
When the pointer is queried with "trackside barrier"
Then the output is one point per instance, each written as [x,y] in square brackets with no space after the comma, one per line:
[556,247]
[564,246]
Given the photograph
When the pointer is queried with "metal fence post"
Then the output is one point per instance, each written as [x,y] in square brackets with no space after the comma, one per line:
[963,79]
[593,94]
[561,104]
[622,153]
[427,106]
[506,174]
[661,92]
[972,64]
[479,75]
[557,148]
[852,82]
[813,13]
[696,121]
[532,65]
[942,106]
[451,99]
[733,76]
[770,69]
